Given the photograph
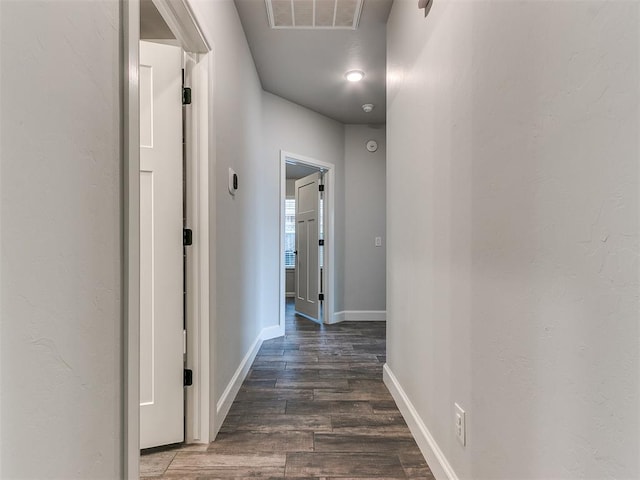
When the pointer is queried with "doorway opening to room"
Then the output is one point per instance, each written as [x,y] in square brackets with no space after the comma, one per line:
[304,240]
[306,232]
[171,162]
[167,103]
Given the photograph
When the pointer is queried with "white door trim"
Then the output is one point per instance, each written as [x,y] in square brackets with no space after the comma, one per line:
[191,39]
[198,409]
[131,237]
[183,24]
[329,223]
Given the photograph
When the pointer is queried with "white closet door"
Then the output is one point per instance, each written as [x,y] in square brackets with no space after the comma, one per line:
[307,246]
[161,275]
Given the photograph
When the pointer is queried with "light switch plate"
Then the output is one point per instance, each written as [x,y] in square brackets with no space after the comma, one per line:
[378,241]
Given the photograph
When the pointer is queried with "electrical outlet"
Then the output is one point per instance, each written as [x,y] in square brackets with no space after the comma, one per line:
[378,241]
[460,425]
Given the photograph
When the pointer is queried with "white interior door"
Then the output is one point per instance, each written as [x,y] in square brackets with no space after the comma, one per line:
[161,274]
[307,246]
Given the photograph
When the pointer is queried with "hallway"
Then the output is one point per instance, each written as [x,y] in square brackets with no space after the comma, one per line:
[314,406]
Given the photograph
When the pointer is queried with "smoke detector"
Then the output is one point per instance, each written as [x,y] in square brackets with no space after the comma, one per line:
[368,107]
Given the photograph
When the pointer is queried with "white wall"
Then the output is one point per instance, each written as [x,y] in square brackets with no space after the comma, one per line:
[60,163]
[365,219]
[239,262]
[290,188]
[298,130]
[513,232]
[290,282]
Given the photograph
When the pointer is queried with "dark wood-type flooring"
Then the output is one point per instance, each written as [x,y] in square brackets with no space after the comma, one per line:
[313,406]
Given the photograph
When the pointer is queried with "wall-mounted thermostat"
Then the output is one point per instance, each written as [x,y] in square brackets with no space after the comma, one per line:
[372,145]
[233,181]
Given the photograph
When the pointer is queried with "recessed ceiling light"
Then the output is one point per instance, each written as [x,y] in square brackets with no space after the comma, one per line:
[354,75]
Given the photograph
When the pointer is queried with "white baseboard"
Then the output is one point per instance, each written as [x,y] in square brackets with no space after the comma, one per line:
[434,456]
[272,332]
[229,395]
[359,316]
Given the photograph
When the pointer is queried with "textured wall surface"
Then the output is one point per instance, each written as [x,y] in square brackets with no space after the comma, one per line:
[365,218]
[61,374]
[513,232]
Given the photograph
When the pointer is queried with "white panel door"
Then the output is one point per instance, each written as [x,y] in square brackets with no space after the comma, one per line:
[307,249]
[161,274]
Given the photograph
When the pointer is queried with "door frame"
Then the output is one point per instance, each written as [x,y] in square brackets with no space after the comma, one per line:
[329,222]
[200,417]
[198,298]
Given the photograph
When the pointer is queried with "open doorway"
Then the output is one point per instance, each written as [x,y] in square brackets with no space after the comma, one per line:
[164,23]
[306,232]
[170,211]
[304,240]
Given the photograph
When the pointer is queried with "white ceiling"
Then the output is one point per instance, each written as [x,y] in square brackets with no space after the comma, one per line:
[307,66]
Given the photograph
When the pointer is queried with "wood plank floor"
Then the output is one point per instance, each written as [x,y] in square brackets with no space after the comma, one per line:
[313,406]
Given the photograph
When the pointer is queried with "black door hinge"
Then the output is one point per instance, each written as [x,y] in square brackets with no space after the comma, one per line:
[321,297]
[187,237]
[188,377]
[186,95]
[321,188]
[321,242]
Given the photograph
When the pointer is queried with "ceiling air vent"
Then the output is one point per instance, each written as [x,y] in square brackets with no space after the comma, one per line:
[325,14]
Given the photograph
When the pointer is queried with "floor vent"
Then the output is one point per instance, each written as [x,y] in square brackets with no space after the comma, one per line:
[321,14]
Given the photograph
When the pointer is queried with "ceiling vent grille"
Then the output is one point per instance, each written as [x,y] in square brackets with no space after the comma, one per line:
[322,14]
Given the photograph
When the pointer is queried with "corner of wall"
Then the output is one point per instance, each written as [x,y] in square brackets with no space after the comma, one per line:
[433,454]
[233,387]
